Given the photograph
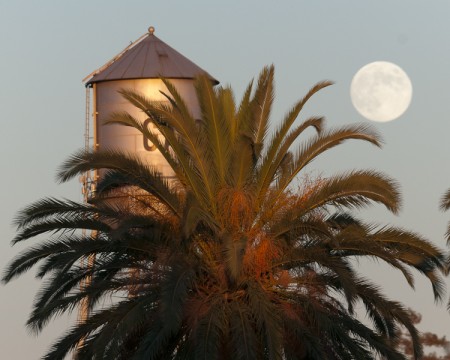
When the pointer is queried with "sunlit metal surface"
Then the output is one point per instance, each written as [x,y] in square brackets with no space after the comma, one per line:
[147,58]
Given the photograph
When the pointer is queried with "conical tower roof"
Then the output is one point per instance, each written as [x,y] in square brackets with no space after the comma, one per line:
[147,58]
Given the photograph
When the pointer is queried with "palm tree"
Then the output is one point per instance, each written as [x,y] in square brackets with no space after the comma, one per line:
[240,256]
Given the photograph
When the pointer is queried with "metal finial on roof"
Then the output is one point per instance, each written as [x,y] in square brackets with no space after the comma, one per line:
[151,30]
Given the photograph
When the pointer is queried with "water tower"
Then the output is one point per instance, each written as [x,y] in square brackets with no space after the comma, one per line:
[138,67]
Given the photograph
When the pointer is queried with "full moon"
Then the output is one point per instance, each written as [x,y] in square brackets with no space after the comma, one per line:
[381,91]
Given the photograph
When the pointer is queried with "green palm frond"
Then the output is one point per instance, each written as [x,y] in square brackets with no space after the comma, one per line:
[127,311]
[243,339]
[354,190]
[385,313]
[138,174]
[125,119]
[215,125]
[323,142]
[273,157]
[271,163]
[242,164]
[268,320]
[31,256]
[291,116]
[174,293]
[49,207]
[262,103]
[61,225]
[445,201]
[210,331]
[244,116]
[445,205]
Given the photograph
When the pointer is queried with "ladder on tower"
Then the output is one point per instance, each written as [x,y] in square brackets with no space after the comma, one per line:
[87,188]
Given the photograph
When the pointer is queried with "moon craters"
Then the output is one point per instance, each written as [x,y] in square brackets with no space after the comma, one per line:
[381,91]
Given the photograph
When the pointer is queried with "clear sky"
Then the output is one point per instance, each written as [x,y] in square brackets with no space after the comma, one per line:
[48,47]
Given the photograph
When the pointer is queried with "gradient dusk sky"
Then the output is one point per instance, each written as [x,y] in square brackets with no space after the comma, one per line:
[49,46]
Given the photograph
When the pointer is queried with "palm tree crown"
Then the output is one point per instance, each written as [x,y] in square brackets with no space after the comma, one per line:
[239,256]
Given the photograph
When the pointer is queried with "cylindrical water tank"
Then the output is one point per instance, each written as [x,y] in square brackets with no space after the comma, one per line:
[108,100]
[140,69]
